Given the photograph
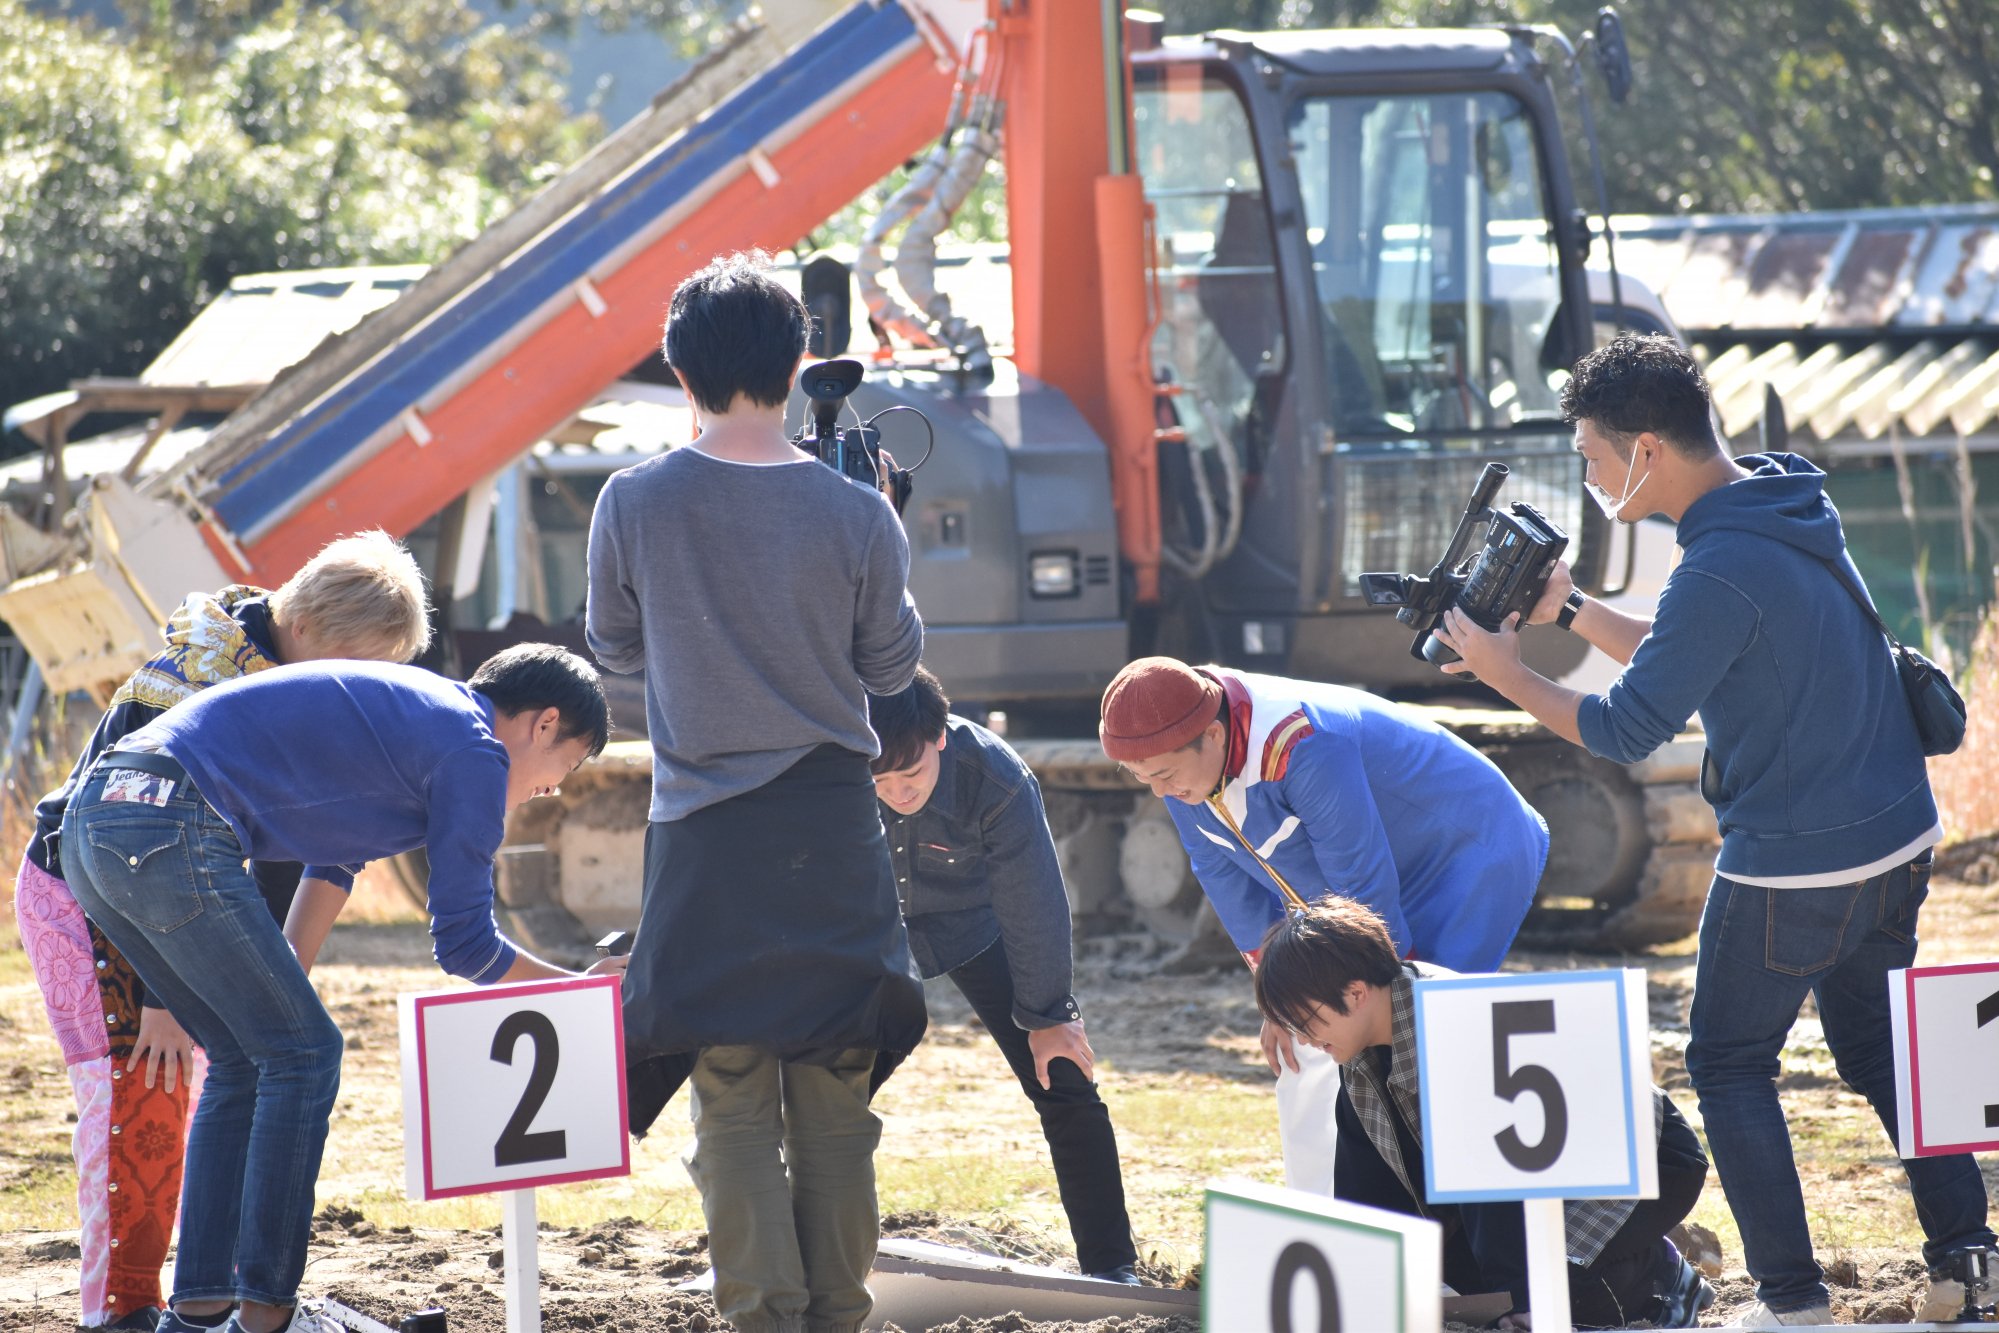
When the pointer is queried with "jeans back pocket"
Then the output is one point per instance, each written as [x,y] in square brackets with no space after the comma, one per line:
[141,868]
[1902,898]
[1807,928]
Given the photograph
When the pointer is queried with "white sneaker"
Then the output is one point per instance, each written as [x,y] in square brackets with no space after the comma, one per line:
[1946,1295]
[1759,1315]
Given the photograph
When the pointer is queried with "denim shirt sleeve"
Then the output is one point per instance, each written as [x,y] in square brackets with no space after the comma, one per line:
[1704,623]
[1025,881]
[468,815]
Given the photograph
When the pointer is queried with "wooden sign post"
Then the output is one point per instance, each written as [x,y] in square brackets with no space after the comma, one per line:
[507,1088]
[1537,1087]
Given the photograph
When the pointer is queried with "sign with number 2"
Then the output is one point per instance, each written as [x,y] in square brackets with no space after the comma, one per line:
[511,1087]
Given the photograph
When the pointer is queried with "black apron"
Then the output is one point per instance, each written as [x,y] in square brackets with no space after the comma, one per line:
[771,920]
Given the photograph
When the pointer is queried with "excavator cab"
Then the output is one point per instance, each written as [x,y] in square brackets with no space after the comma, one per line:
[1371,285]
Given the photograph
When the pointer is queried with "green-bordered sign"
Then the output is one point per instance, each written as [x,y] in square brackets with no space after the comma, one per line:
[1283,1261]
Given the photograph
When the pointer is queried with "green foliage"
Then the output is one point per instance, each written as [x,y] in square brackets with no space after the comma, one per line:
[141,170]
[1772,105]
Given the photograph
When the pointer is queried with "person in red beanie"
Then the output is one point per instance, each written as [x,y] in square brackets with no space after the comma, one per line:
[1284,791]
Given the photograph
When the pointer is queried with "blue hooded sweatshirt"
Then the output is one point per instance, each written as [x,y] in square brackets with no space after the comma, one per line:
[1810,734]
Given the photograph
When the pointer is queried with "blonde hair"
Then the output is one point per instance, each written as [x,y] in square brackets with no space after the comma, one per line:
[363,594]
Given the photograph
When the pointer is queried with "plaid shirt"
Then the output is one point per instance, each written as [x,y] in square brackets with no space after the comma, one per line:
[1591,1222]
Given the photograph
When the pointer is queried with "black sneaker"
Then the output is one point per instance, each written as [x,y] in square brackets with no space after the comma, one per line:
[1125,1275]
[142,1320]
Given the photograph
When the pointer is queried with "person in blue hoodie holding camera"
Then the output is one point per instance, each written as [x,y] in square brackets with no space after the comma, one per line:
[1814,769]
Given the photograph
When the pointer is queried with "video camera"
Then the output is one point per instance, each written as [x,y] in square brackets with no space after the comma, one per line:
[854,452]
[1508,574]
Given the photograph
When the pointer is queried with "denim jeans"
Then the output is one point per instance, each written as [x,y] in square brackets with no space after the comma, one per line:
[167,883]
[1761,952]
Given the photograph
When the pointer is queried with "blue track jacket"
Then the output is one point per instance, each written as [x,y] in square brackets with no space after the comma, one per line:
[1340,792]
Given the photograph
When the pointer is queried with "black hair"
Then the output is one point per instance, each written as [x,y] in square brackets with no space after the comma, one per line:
[908,720]
[732,329]
[1636,383]
[529,677]
[1312,956]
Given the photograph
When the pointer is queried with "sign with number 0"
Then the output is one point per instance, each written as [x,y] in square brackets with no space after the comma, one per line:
[511,1087]
[1284,1261]
[1536,1086]
[1945,1021]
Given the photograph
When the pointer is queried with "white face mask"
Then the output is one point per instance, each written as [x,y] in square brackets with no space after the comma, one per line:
[1614,506]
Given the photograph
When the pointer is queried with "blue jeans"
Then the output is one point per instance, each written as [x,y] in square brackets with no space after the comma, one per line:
[1761,952]
[168,884]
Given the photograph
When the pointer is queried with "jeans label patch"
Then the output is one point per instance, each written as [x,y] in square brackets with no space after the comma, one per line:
[130,785]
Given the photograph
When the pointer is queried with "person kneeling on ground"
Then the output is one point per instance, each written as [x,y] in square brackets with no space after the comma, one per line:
[331,764]
[130,1065]
[982,895]
[1330,976]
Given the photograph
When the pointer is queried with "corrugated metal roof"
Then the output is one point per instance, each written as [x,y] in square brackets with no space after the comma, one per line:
[265,322]
[1868,323]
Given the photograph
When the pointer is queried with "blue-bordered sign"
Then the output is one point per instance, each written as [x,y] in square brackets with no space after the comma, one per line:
[1536,1086]
[1285,1259]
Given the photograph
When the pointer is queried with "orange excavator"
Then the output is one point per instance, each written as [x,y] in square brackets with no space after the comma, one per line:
[1276,301]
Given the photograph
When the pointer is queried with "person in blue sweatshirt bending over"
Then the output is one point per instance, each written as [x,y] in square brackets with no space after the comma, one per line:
[330,764]
[1814,770]
[1284,791]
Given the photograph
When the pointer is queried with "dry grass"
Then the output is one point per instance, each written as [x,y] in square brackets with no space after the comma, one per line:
[1967,783]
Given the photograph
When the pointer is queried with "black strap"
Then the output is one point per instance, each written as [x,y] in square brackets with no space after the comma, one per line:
[1839,572]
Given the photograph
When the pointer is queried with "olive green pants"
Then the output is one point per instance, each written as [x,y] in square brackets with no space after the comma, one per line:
[784,1157]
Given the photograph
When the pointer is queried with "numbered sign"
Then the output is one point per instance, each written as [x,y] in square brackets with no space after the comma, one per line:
[510,1087]
[1946,1026]
[1536,1087]
[1289,1262]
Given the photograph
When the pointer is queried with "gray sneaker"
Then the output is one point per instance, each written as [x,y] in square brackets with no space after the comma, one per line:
[1945,1300]
[1759,1315]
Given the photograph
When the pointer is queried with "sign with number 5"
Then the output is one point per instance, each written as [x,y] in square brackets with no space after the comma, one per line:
[1536,1086]
[511,1087]
[1945,1021]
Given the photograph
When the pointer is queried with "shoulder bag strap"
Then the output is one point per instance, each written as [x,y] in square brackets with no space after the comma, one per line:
[1839,572]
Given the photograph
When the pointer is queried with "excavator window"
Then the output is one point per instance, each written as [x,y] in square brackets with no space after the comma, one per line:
[1435,262]
[1221,330]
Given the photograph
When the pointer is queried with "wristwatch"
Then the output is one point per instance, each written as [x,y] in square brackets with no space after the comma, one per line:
[1566,617]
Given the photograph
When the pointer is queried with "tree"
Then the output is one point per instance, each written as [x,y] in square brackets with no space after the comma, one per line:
[1773,105]
[141,170]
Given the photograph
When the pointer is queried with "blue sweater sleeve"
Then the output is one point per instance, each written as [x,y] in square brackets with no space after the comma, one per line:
[1704,623]
[1246,905]
[468,804]
[1326,787]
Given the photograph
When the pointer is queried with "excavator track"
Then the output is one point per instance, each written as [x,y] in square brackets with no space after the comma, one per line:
[1632,848]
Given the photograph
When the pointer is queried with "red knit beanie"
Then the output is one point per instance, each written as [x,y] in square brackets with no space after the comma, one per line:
[1156,705]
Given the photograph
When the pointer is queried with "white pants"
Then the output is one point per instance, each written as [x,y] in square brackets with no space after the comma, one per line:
[1305,1123]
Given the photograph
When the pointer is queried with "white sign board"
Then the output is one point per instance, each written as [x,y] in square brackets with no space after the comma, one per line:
[510,1087]
[1280,1260]
[1945,1022]
[1536,1086]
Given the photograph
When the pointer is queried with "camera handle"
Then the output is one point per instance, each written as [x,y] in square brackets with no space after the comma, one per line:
[1477,510]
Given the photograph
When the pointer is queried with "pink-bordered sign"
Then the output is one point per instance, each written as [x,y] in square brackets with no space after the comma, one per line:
[1945,1021]
[541,1060]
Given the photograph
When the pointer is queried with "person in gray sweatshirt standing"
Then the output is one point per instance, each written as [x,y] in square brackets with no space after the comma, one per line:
[763,595]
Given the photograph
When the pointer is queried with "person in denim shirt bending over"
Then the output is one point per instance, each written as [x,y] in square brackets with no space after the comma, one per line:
[1814,770]
[982,894]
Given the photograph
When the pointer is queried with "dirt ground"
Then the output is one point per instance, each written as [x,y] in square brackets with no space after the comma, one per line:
[1181,1071]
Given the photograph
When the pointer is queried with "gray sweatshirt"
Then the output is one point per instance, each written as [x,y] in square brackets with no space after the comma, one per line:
[762,602]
